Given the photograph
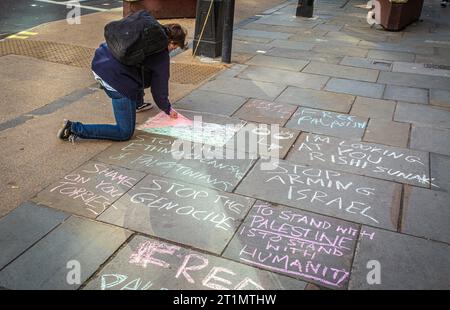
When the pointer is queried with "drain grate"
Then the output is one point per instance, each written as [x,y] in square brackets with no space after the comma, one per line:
[81,57]
[184,73]
[71,55]
[382,63]
[438,67]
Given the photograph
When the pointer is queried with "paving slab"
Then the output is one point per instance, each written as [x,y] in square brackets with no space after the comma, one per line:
[23,227]
[419,68]
[297,243]
[337,194]
[353,38]
[390,55]
[250,39]
[365,35]
[28,162]
[440,97]
[149,264]
[212,118]
[406,262]
[426,213]
[308,34]
[264,140]
[368,30]
[90,189]
[240,58]
[245,88]
[77,242]
[261,34]
[210,102]
[440,166]
[328,123]
[414,80]
[275,9]
[267,112]
[329,27]
[250,47]
[304,55]
[387,132]
[433,59]
[233,71]
[149,153]
[395,47]
[55,81]
[366,63]
[408,94]
[285,20]
[284,77]
[181,212]
[356,88]
[330,38]
[218,173]
[373,108]
[323,40]
[162,155]
[368,159]
[341,50]
[346,72]
[278,62]
[206,129]
[430,139]
[298,46]
[317,99]
[422,115]
[274,28]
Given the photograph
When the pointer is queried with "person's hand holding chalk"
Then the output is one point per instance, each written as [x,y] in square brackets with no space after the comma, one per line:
[173,113]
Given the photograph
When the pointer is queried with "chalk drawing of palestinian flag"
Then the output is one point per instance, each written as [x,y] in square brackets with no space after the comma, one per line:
[191,130]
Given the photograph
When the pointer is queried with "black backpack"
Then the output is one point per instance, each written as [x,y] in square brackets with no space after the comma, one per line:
[135,37]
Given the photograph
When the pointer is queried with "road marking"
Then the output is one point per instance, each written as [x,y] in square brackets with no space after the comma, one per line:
[22,35]
[74,4]
[14,36]
[28,33]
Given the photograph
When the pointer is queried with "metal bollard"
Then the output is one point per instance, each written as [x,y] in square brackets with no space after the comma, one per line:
[208,28]
[305,8]
[228,30]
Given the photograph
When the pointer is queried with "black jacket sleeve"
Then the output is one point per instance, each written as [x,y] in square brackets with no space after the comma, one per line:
[156,76]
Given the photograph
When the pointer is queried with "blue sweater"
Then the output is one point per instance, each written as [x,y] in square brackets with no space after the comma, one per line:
[127,80]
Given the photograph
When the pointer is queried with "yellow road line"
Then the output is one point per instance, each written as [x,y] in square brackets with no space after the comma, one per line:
[17,37]
[28,33]
[22,35]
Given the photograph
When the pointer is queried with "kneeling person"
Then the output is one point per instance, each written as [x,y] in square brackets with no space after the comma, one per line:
[124,85]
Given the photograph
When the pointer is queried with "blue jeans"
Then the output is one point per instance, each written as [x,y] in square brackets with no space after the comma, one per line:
[125,114]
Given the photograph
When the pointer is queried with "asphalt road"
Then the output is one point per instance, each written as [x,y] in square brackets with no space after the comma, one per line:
[18,15]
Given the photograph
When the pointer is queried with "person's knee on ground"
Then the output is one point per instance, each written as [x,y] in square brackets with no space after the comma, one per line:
[125,134]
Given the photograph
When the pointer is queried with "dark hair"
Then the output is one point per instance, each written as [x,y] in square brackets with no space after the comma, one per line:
[177,34]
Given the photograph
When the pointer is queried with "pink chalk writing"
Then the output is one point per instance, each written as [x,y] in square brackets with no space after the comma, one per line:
[366,234]
[193,269]
[299,243]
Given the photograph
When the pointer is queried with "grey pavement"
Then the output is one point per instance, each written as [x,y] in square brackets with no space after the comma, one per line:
[331,153]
